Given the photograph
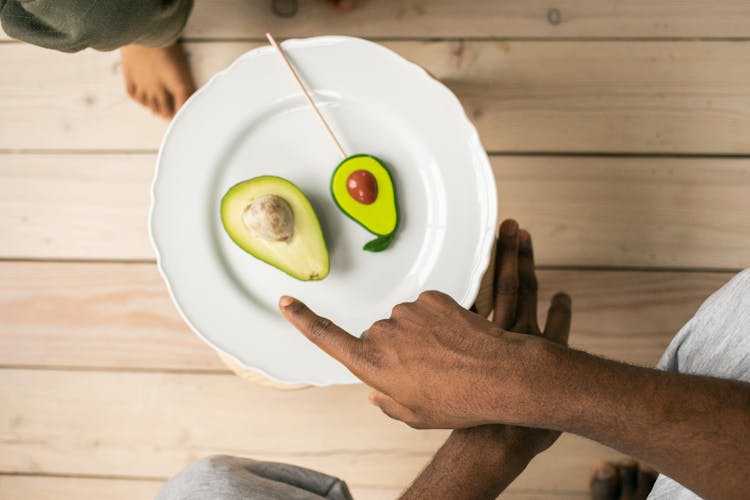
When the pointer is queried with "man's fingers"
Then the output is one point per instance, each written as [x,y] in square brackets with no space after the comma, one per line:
[322,332]
[392,408]
[557,328]
[506,275]
[527,289]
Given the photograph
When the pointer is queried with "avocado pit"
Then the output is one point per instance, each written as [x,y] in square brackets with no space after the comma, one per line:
[270,217]
[362,186]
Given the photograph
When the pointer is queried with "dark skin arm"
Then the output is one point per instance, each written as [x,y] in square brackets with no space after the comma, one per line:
[437,365]
[477,463]
[480,462]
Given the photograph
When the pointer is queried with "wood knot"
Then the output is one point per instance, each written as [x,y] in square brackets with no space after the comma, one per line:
[458,51]
[284,8]
[554,16]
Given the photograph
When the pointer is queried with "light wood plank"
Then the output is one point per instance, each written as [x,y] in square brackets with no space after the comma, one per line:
[688,97]
[119,316]
[75,206]
[94,315]
[582,211]
[497,19]
[151,425]
[630,211]
[77,488]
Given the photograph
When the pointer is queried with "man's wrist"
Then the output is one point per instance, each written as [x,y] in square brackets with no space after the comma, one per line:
[474,463]
[496,444]
[542,395]
[463,467]
[524,396]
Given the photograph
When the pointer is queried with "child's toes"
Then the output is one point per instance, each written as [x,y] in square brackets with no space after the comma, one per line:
[169,107]
[179,97]
[143,98]
[628,470]
[646,479]
[160,103]
[605,484]
[154,104]
[132,89]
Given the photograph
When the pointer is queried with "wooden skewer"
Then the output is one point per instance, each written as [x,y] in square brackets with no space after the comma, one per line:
[307,95]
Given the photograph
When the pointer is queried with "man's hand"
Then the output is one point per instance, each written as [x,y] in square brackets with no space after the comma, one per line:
[442,366]
[435,364]
[432,356]
[480,462]
[516,310]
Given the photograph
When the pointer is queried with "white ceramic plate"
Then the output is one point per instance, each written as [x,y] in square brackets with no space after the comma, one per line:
[251,120]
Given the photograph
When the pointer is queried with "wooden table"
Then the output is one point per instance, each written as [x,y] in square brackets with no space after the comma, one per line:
[619,135]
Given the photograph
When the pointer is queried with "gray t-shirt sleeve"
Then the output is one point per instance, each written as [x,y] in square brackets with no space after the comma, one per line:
[73,25]
[715,342]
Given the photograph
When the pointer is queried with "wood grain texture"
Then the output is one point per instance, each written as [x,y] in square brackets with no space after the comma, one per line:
[630,211]
[76,488]
[119,315]
[95,315]
[581,211]
[32,487]
[255,377]
[75,206]
[497,19]
[659,97]
[152,424]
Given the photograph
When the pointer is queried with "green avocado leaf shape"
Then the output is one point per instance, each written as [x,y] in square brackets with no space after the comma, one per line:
[301,250]
[378,213]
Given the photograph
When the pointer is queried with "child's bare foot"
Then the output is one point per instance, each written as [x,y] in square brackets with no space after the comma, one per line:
[159,78]
[626,480]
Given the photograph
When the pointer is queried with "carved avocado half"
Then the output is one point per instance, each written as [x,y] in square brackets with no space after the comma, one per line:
[363,189]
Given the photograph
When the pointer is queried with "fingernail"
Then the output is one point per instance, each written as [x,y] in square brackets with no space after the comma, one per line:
[605,472]
[562,298]
[285,301]
[509,227]
[524,236]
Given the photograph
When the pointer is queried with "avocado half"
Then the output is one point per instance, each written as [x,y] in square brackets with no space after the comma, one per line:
[379,217]
[301,250]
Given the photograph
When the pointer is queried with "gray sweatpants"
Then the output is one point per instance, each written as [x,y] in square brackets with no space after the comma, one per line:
[715,342]
[222,477]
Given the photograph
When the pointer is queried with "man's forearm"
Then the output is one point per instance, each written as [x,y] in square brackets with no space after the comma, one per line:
[694,429]
[470,465]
